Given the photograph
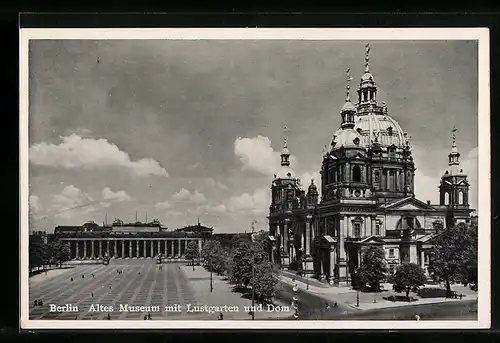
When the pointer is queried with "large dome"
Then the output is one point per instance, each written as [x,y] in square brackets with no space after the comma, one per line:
[381,126]
[454,170]
[285,172]
[367,127]
[348,138]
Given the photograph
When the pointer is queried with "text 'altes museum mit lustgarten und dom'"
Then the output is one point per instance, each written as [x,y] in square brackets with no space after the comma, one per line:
[367,188]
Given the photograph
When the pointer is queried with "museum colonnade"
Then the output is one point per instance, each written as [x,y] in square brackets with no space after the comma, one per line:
[94,248]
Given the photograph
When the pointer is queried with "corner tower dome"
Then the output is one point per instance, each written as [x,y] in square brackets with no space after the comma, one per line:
[346,136]
[285,172]
[454,168]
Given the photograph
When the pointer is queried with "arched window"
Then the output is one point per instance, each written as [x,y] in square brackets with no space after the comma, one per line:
[446,198]
[356,174]
[460,198]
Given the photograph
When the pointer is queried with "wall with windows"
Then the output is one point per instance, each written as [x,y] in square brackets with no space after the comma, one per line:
[391,252]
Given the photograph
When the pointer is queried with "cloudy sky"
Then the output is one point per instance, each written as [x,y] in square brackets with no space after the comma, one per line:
[184,129]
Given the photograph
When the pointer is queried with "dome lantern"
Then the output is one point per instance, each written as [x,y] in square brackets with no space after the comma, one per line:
[367,88]
[348,112]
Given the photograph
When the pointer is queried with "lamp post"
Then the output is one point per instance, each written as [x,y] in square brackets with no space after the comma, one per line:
[307,280]
[357,298]
[295,301]
[211,282]
[253,292]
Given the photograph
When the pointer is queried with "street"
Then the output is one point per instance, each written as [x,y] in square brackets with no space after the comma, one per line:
[312,307]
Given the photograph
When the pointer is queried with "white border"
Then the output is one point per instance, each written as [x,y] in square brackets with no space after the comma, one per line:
[367,34]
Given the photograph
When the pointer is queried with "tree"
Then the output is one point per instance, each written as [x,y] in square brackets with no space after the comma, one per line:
[117,221]
[408,277]
[60,252]
[372,270]
[192,252]
[244,256]
[156,221]
[453,257]
[264,282]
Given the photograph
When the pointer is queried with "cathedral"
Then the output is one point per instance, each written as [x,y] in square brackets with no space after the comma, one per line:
[367,197]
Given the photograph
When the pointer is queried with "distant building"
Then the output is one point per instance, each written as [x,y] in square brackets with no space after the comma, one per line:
[367,197]
[134,240]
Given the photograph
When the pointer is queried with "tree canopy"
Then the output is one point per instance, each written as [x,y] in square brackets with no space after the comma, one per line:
[453,257]
[408,277]
[192,252]
[372,270]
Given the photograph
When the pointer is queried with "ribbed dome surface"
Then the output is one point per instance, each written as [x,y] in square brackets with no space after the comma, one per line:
[385,128]
[348,138]
[285,172]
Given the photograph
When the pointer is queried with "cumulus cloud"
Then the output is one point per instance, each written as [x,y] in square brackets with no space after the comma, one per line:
[185,195]
[108,194]
[217,209]
[256,202]
[163,205]
[71,199]
[306,178]
[119,196]
[215,184]
[257,154]
[88,153]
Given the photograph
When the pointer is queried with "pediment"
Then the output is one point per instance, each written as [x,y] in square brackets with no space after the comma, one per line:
[410,203]
[328,239]
[359,156]
[372,240]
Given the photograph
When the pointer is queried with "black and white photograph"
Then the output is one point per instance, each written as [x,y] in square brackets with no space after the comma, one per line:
[261,178]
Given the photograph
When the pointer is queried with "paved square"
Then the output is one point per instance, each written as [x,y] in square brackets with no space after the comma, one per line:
[139,284]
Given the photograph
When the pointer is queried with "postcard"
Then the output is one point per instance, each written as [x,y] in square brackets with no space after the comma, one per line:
[260,178]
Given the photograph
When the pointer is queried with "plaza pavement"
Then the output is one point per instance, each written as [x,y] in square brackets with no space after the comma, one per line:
[141,283]
[370,301]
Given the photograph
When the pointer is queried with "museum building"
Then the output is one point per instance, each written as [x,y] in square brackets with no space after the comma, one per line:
[136,240]
[367,197]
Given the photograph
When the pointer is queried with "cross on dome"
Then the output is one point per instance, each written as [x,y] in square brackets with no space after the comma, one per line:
[367,58]
[348,84]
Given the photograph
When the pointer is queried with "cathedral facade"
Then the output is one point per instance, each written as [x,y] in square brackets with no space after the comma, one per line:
[367,197]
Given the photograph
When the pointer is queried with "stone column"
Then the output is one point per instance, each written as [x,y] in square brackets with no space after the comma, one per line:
[332,265]
[100,248]
[166,247]
[92,243]
[77,249]
[422,258]
[123,248]
[84,248]
[130,248]
[144,252]
[373,224]
[115,248]
[137,249]
[321,265]
[199,246]
[179,247]
[341,251]
[159,247]
[308,235]
[151,248]
[285,234]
